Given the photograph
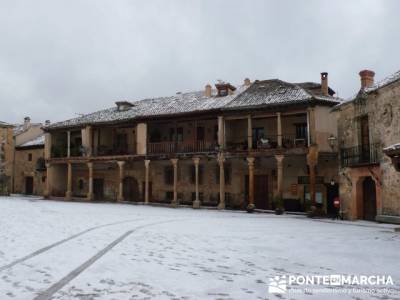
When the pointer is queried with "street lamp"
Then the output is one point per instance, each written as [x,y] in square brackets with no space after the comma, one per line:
[332,141]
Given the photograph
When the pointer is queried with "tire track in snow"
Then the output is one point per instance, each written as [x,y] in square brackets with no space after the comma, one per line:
[48,294]
[46,248]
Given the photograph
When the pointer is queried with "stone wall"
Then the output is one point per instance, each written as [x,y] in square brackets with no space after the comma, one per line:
[383,109]
[27,168]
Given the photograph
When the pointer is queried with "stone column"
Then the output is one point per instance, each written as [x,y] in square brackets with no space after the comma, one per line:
[221,132]
[279,126]
[47,192]
[68,194]
[279,168]
[174,162]
[121,165]
[68,143]
[311,126]
[221,160]
[196,161]
[90,193]
[312,161]
[146,182]
[251,206]
[249,133]
[89,136]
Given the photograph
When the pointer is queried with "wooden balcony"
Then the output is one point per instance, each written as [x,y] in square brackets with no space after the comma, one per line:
[269,142]
[181,147]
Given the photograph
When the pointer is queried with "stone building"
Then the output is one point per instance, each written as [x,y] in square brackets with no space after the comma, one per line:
[226,146]
[22,166]
[369,127]
[30,167]
[6,157]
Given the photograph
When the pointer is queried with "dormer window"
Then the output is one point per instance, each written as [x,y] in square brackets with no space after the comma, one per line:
[123,105]
[224,89]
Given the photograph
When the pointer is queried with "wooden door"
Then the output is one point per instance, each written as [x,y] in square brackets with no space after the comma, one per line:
[29,185]
[332,192]
[369,199]
[131,189]
[98,189]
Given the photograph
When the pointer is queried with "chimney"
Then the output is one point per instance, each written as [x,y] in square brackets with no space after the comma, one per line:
[47,123]
[207,91]
[27,122]
[247,82]
[324,84]
[367,78]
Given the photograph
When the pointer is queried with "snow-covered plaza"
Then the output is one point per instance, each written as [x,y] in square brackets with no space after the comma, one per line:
[64,250]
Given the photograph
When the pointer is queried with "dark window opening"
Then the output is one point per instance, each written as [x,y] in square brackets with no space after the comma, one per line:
[155,135]
[29,156]
[169,175]
[201,135]
[301,131]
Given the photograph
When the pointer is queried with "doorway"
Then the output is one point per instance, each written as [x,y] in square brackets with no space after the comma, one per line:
[29,185]
[332,191]
[131,189]
[261,200]
[98,188]
[369,199]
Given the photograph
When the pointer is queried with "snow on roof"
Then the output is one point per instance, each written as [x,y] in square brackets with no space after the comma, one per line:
[392,147]
[38,141]
[364,92]
[276,92]
[4,124]
[20,128]
[380,84]
[267,92]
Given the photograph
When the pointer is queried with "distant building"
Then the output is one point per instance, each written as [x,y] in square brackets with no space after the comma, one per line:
[22,166]
[6,157]
[238,147]
[369,141]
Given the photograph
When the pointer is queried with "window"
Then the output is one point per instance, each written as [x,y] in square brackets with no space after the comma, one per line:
[258,133]
[179,134]
[301,131]
[43,179]
[222,92]
[169,175]
[155,135]
[200,133]
[216,133]
[80,184]
[171,134]
[29,156]
[192,170]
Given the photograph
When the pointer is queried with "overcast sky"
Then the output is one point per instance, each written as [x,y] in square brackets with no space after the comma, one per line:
[62,58]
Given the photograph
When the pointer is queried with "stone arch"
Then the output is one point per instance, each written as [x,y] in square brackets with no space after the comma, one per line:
[360,187]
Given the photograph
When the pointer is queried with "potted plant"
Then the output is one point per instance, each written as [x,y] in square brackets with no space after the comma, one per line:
[279,207]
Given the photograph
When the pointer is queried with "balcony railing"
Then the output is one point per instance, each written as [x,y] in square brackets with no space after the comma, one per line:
[181,147]
[114,150]
[269,142]
[62,151]
[359,155]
